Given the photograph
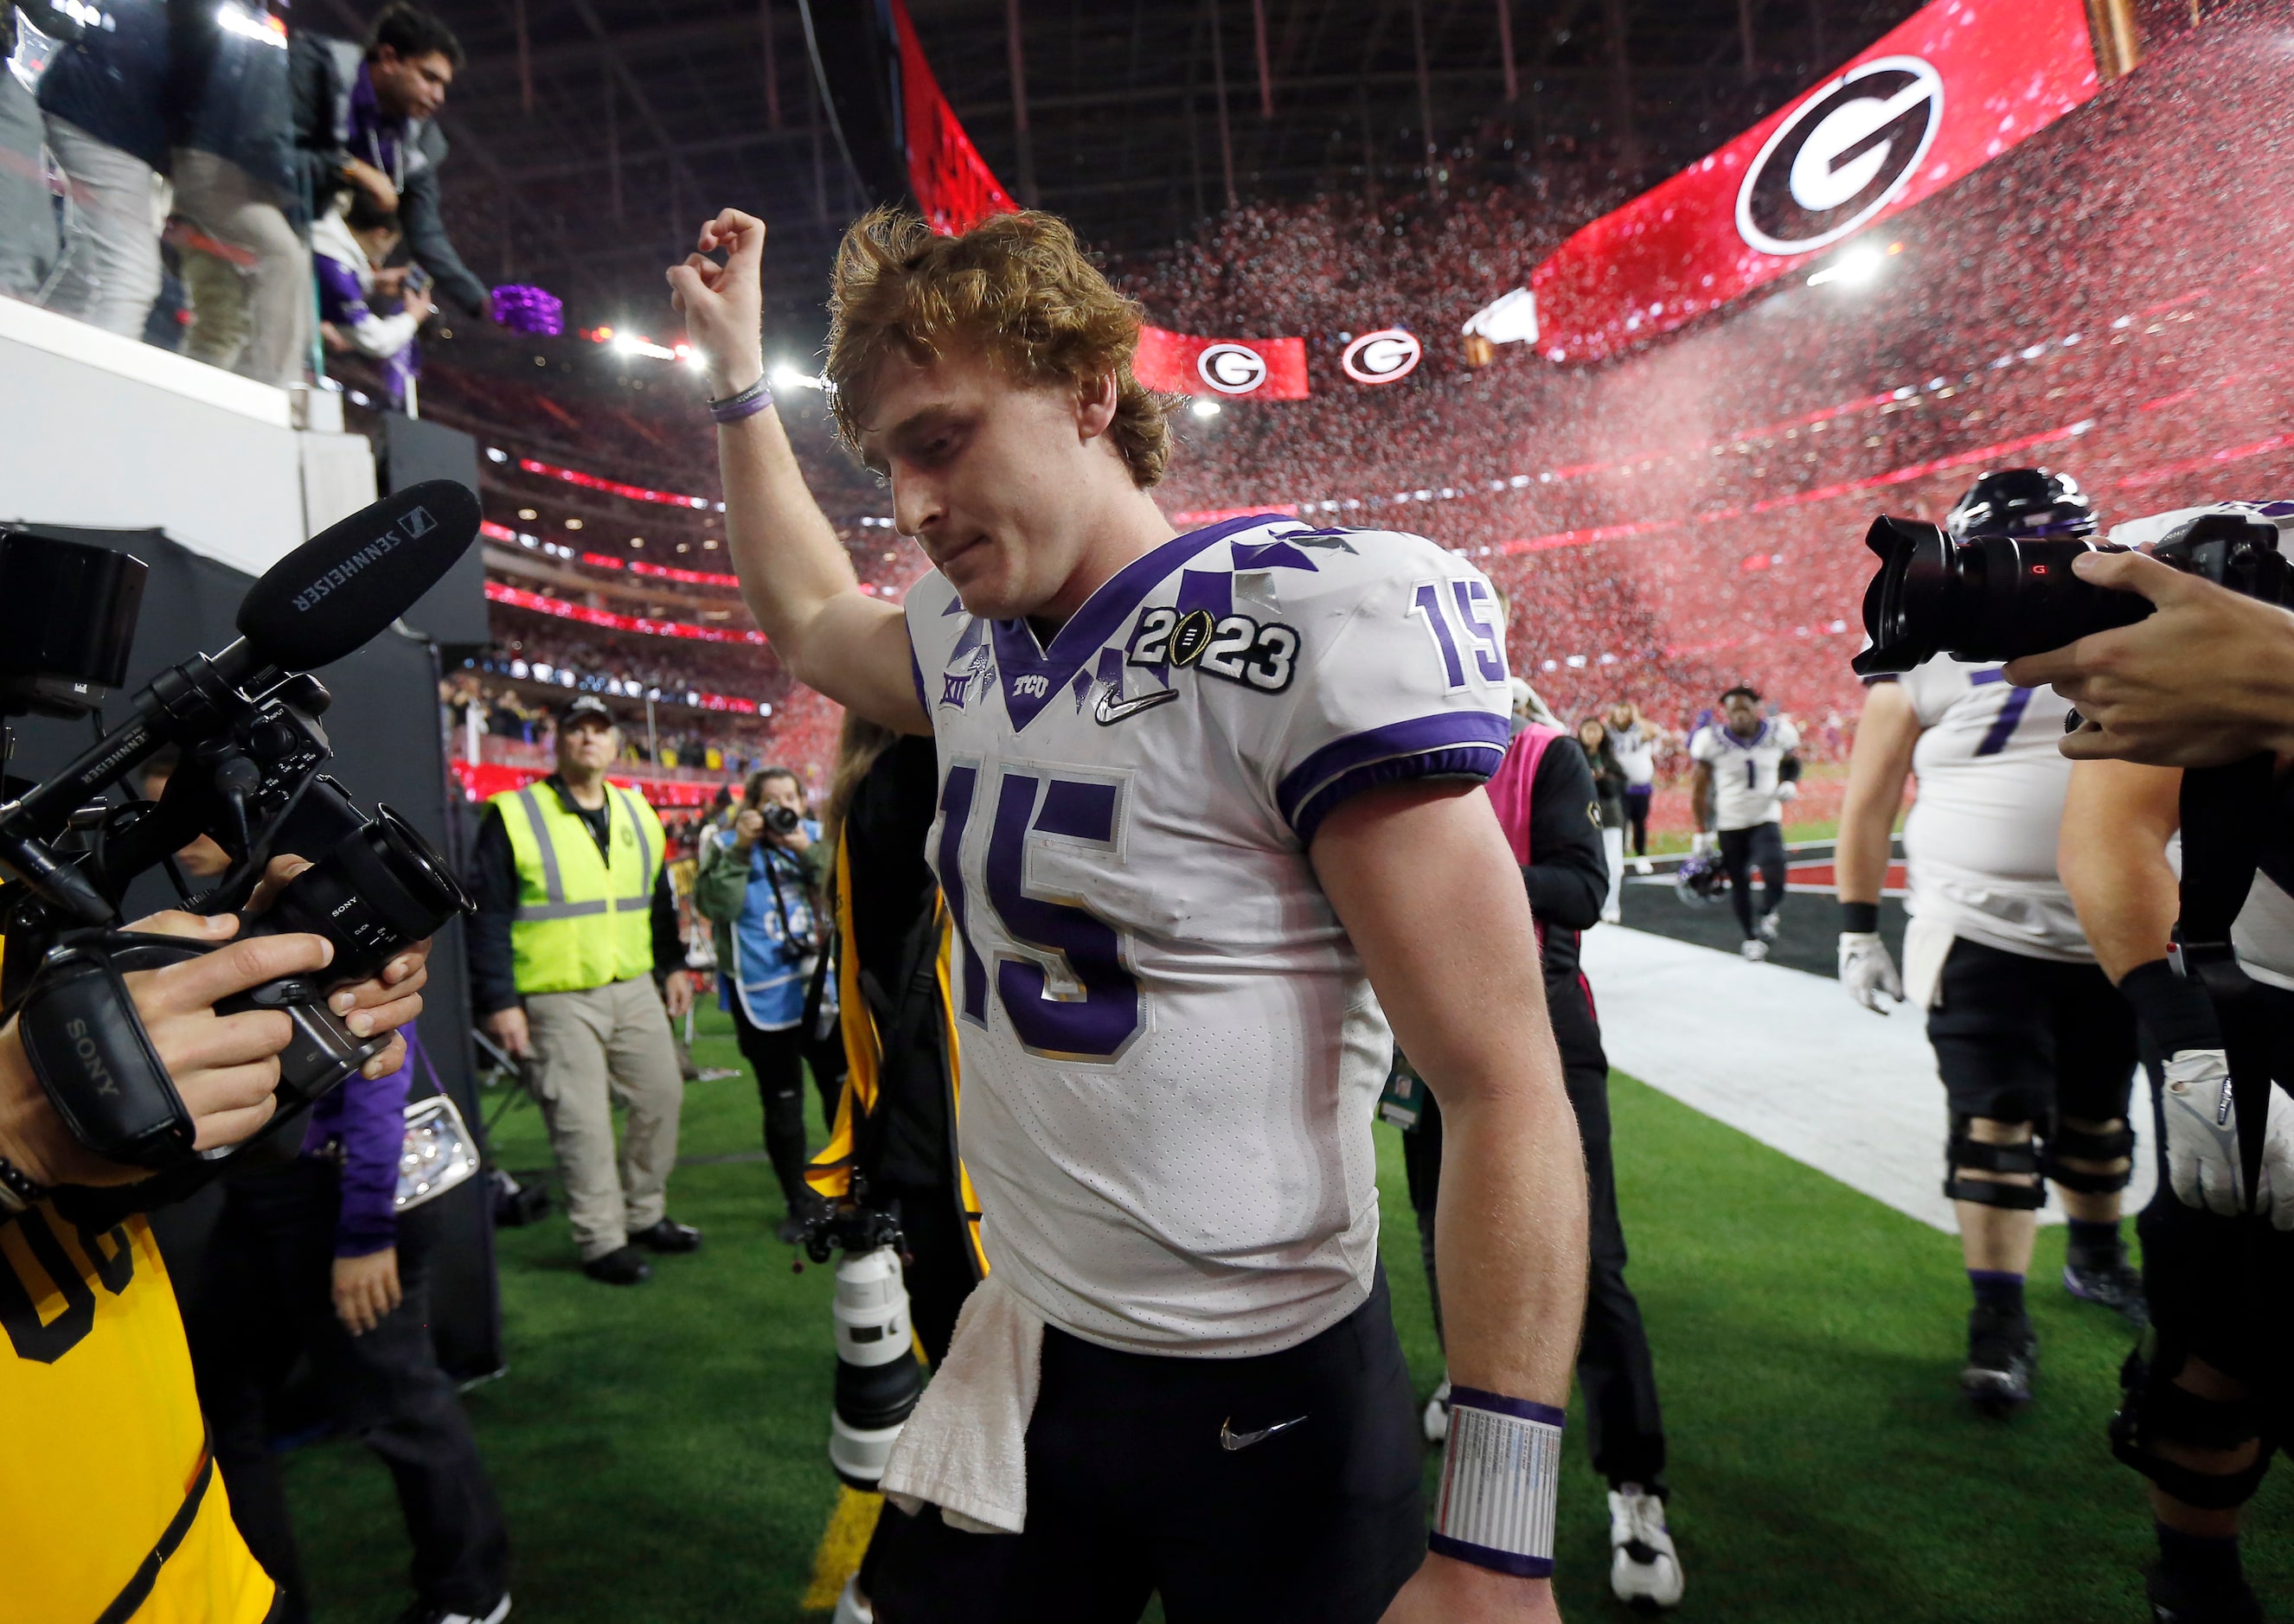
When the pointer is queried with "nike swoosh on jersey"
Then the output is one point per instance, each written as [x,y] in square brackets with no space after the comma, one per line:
[1110,711]
[1231,1440]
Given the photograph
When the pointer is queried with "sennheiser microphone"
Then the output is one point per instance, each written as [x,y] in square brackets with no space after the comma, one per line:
[338,592]
[327,599]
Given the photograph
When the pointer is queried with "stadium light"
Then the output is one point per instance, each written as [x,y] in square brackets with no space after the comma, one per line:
[1204,407]
[786,374]
[1856,267]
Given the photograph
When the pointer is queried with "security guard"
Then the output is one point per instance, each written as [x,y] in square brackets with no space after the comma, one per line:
[575,922]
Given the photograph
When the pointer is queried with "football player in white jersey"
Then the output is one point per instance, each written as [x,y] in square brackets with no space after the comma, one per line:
[1636,740]
[2032,1043]
[1746,770]
[1209,819]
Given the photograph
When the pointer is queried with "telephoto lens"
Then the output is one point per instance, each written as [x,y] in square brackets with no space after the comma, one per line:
[1980,598]
[2000,597]
[877,1377]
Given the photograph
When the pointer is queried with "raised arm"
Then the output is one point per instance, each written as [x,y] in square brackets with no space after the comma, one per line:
[795,576]
[2118,819]
[1421,878]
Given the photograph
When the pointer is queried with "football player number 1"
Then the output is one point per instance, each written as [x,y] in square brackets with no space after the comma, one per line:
[1091,1008]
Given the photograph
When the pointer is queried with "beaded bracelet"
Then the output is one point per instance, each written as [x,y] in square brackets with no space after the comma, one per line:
[747,403]
[18,1193]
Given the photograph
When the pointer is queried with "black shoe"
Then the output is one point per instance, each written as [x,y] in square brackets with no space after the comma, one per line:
[2175,1600]
[622,1267]
[2002,1356]
[667,1236]
[2116,1285]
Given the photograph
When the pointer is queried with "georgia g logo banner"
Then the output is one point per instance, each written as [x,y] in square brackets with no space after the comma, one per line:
[1953,87]
[1381,357]
[1842,157]
[1244,369]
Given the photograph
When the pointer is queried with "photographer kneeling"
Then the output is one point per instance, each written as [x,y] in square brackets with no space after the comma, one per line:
[122,1511]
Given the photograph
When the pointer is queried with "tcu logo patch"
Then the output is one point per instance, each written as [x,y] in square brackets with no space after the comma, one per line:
[1031,688]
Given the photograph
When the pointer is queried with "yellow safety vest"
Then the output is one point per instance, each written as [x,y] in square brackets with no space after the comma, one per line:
[110,1504]
[579,922]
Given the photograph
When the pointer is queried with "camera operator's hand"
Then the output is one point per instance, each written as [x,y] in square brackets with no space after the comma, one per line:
[723,305]
[380,1003]
[1866,970]
[2206,680]
[508,1027]
[794,839]
[366,1288]
[224,1066]
[747,827]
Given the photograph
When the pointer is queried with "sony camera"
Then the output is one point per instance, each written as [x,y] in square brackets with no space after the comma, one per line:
[245,722]
[878,1378]
[2000,597]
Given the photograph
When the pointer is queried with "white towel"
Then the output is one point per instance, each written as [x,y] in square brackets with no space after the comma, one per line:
[964,1448]
[1927,943]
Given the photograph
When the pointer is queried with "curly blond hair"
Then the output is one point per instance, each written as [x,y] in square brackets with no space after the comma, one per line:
[1019,287]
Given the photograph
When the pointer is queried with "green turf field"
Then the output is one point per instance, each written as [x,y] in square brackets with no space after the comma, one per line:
[660,1451]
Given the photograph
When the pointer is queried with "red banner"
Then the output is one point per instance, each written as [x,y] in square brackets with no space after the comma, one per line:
[483,779]
[518,598]
[954,186]
[1957,84]
[1230,369]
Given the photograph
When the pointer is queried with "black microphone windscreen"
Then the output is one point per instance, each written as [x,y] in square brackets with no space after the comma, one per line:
[339,590]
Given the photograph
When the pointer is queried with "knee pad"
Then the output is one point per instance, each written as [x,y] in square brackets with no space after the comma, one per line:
[2153,1409]
[1963,1154]
[2061,1142]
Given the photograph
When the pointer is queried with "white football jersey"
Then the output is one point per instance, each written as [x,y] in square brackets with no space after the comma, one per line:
[1635,748]
[1170,1052]
[1979,841]
[1745,771]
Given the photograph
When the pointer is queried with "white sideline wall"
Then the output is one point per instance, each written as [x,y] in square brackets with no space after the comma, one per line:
[105,432]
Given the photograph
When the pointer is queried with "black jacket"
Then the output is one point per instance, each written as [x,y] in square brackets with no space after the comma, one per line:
[321,74]
[1567,879]
[492,881]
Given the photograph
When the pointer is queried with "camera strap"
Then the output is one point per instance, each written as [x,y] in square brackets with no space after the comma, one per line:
[2227,813]
[88,1047]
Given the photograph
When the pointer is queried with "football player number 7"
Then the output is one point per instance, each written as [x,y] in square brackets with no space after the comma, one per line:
[1076,1000]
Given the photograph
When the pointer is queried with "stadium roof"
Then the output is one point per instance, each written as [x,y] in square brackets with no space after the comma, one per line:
[591,135]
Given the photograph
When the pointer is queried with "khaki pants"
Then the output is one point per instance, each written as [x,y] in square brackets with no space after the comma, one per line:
[250,313]
[589,1048]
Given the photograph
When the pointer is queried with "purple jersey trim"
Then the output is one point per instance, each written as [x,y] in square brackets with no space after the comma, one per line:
[1471,743]
[916,672]
[1497,1404]
[1483,1557]
[1076,644]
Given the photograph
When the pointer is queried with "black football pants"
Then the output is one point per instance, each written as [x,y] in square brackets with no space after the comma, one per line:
[1130,1492]
[1742,850]
[266,1293]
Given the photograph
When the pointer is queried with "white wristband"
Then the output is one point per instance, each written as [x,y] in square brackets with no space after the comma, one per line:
[1500,1476]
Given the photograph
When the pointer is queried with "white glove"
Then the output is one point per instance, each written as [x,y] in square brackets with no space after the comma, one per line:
[2202,1159]
[1788,792]
[1866,970]
[1704,844]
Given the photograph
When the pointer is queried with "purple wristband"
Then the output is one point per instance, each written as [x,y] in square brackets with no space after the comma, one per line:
[747,403]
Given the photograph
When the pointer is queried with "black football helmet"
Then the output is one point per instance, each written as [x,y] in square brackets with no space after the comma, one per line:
[1700,880]
[2022,502]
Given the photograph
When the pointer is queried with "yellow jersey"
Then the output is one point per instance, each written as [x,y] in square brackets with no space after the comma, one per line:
[109,1508]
